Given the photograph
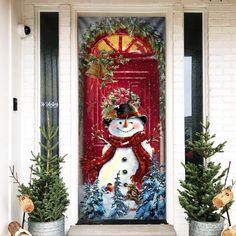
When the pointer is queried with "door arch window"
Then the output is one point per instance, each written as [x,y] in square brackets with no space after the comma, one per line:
[123,43]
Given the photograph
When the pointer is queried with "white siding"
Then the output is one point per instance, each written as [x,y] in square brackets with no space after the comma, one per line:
[5,103]
[16,84]
[28,102]
[10,76]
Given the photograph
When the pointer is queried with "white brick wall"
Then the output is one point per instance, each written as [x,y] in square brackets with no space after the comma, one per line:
[28,94]
[222,82]
[222,86]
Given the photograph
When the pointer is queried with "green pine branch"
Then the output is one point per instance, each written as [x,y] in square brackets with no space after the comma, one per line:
[46,188]
[204,145]
[203,181]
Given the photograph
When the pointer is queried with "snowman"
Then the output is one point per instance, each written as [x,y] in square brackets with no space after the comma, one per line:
[127,151]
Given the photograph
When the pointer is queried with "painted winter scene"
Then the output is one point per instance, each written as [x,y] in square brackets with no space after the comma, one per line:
[122,118]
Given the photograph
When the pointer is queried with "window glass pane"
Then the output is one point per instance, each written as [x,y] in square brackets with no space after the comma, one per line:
[192,77]
[49,94]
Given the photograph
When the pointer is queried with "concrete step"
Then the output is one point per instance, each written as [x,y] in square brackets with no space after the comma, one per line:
[122,230]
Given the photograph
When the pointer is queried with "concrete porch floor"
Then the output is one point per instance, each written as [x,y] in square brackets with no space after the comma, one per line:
[122,230]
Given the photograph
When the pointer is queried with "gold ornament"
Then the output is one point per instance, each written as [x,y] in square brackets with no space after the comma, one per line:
[223,198]
[26,203]
[96,71]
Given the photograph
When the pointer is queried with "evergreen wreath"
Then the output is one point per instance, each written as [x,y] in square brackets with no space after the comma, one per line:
[117,97]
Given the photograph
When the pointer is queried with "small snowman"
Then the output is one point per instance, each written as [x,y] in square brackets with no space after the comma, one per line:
[127,151]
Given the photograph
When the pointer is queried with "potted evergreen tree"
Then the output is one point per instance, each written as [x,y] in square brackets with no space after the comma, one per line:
[202,183]
[46,188]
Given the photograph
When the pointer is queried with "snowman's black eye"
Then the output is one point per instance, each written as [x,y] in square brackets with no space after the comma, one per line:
[120,122]
[131,122]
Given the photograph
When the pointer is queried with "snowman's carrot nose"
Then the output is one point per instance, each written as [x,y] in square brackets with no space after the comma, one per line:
[126,123]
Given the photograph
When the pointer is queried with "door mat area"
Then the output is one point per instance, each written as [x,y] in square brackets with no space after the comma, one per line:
[122,230]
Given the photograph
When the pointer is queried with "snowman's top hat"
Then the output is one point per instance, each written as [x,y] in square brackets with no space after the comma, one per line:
[125,111]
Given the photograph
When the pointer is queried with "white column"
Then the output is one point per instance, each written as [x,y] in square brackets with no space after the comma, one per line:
[180,223]
[68,112]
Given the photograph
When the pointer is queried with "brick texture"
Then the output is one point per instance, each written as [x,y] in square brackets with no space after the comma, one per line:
[222,83]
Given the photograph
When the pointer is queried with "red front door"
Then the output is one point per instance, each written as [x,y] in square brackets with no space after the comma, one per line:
[140,75]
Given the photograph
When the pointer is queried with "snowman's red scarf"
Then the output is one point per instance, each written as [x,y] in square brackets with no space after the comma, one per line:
[141,154]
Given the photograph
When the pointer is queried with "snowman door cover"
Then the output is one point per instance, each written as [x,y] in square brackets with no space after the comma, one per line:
[122,114]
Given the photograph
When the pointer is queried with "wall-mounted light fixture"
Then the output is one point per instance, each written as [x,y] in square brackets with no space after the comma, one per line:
[23,30]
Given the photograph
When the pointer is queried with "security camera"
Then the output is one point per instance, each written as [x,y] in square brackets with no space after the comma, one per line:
[23,30]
